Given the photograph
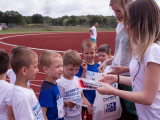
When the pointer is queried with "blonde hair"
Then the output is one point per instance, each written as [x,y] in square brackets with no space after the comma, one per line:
[89,44]
[45,58]
[71,57]
[121,4]
[144,25]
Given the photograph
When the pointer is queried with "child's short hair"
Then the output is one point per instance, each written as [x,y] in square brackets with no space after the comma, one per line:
[105,48]
[88,43]
[21,57]
[4,61]
[71,57]
[45,58]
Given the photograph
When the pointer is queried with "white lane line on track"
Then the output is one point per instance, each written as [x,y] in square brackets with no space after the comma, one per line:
[28,47]
[35,85]
[32,47]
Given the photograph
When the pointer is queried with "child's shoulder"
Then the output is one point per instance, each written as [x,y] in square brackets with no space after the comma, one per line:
[5,84]
[95,65]
[47,85]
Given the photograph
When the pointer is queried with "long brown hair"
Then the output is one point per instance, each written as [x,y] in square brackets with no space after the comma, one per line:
[143,25]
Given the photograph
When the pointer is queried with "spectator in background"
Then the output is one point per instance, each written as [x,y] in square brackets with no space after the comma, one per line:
[93,32]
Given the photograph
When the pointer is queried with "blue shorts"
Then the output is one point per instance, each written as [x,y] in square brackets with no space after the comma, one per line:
[93,39]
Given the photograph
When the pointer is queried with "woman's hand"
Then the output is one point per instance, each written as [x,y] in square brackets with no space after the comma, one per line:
[110,79]
[106,89]
[119,69]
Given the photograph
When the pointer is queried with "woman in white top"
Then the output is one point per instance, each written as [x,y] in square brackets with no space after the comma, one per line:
[143,27]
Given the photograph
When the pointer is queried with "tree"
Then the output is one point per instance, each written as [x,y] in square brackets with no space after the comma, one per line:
[27,19]
[1,17]
[37,19]
[12,17]
[95,18]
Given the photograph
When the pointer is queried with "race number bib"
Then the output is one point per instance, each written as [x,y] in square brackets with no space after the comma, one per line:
[60,106]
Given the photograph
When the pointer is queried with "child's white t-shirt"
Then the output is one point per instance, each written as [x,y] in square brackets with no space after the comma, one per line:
[12,77]
[25,104]
[69,91]
[5,98]
[137,71]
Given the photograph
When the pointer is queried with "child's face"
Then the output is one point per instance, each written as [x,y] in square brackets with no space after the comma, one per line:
[70,71]
[117,12]
[32,70]
[55,70]
[89,54]
[103,56]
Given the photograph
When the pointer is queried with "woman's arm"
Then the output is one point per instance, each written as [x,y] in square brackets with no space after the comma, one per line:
[110,79]
[150,87]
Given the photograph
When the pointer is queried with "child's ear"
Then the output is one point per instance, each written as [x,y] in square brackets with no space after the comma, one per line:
[45,69]
[23,70]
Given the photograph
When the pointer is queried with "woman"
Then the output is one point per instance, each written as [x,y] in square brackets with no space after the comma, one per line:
[143,28]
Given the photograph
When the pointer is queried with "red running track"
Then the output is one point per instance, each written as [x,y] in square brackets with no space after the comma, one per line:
[52,41]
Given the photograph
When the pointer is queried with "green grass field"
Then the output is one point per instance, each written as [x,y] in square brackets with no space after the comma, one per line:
[38,29]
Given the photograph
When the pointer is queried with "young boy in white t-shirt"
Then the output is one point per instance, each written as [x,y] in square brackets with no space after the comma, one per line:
[5,89]
[24,63]
[68,85]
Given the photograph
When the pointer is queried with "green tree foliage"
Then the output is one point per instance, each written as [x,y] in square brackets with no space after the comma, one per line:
[37,19]
[1,17]
[13,17]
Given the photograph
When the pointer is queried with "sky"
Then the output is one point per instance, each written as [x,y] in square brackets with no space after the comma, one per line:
[58,8]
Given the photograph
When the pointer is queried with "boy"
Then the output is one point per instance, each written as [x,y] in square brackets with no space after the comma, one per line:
[88,66]
[24,63]
[104,52]
[50,99]
[11,75]
[68,85]
[5,88]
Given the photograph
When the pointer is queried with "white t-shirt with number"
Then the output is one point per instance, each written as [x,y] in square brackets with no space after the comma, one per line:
[5,98]
[69,91]
[94,31]
[137,71]
[25,104]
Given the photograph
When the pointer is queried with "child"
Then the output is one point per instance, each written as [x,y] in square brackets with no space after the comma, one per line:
[24,63]
[50,99]
[68,84]
[5,88]
[88,67]
[11,75]
[104,52]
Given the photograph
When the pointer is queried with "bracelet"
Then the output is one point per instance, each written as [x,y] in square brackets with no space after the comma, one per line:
[118,78]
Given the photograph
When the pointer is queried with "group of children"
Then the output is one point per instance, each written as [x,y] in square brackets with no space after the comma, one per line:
[60,96]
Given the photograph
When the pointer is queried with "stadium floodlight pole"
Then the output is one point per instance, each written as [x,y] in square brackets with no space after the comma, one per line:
[47,9]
